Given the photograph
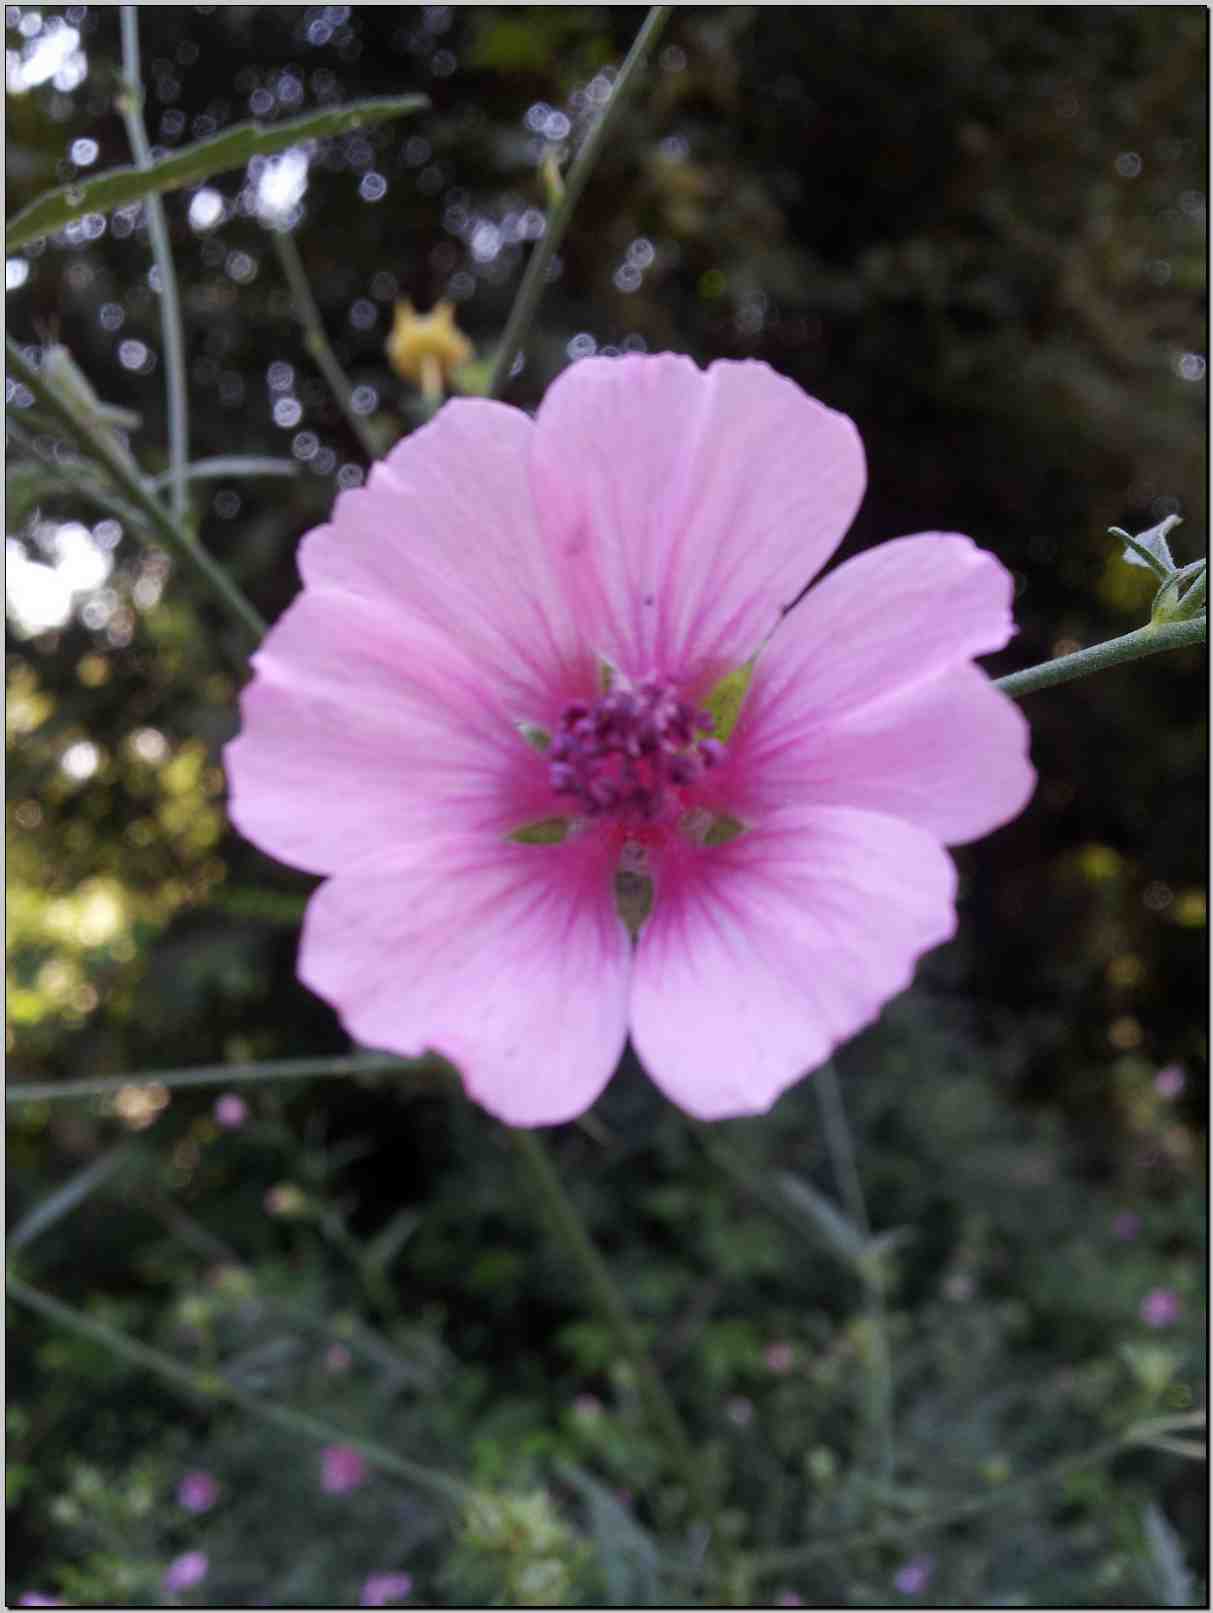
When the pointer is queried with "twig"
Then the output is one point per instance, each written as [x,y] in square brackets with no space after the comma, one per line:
[125,475]
[130,104]
[533,281]
[316,342]
[207,1075]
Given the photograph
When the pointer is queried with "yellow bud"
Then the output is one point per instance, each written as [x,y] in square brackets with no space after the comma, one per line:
[427,348]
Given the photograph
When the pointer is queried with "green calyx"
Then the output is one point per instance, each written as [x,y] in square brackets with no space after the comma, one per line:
[724,700]
[544,832]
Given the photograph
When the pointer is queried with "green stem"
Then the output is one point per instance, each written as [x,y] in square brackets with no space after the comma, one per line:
[559,215]
[125,475]
[207,1075]
[130,104]
[560,1216]
[210,1386]
[764,1565]
[315,340]
[1149,640]
[841,1149]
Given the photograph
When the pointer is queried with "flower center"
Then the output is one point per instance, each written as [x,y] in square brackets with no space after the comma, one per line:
[632,751]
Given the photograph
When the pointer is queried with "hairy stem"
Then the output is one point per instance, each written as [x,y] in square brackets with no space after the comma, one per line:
[560,1216]
[1149,640]
[97,440]
[210,1386]
[130,104]
[559,215]
[316,342]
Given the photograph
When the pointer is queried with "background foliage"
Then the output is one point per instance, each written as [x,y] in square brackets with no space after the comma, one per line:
[979,231]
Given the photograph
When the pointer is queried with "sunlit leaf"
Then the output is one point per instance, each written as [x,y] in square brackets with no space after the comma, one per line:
[119,187]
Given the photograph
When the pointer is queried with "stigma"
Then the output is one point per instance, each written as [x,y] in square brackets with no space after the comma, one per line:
[632,752]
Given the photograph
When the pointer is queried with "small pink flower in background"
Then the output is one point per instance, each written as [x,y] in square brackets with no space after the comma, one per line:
[197,1492]
[1126,1224]
[337,1358]
[789,1599]
[739,1411]
[37,1599]
[1160,1308]
[230,1111]
[588,1408]
[779,1357]
[496,720]
[342,1469]
[186,1571]
[913,1577]
[1170,1082]
[385,1590]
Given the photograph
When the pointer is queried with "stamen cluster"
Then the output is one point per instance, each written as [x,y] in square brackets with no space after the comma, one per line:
[631,751]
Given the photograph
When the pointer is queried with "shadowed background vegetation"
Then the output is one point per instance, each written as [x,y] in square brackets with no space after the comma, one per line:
[980,232]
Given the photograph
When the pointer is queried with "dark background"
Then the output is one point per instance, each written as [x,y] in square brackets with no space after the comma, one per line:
[979,231]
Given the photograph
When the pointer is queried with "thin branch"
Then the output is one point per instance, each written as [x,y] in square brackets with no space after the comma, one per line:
[211,1386]
[787,1559]
[124,473]
[535,278]
[130,104]
[316,342]
[209,1075]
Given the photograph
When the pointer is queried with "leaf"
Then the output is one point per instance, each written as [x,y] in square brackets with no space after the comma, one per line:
[723,701]
[70,1196]
[842,1235]
[119,187]
[387,1243]
[1170,1577]
[229,465]
[1149,549]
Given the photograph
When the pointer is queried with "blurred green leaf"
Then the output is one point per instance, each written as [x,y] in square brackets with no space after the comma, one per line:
[119,187]
[1169,1575]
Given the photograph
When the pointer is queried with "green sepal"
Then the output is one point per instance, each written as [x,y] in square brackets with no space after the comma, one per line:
[723,701]
[544,832]
[723,829]
[633,899]
[536,737]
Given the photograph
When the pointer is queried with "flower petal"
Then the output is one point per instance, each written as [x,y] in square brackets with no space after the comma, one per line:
[686,509]
[950,755]
[763,954]
[892,617]
[509,960]
[364,728]
[445,529]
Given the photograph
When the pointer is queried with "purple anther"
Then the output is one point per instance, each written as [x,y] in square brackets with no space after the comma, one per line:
[630,749]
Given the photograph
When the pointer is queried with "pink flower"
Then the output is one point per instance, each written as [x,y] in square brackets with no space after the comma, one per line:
[1160,1308]
[431,728]
[1169,1082]
[1126,1224]
[789,1599]
[37,1599]
[230,1111]
[197,1492]
[385,1590]
[186,1571]
[337,1358]
[780,1357]
[342,1469]
[913,1577]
